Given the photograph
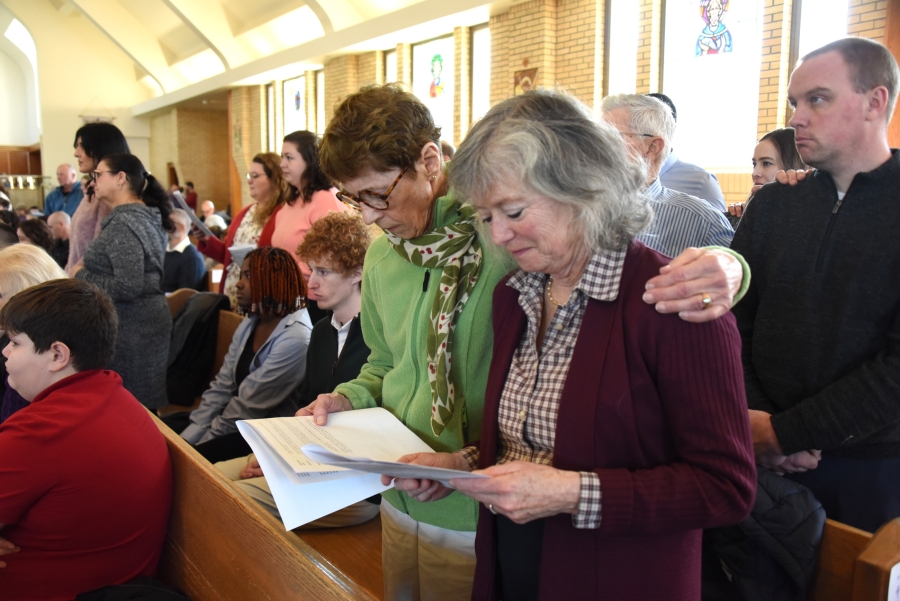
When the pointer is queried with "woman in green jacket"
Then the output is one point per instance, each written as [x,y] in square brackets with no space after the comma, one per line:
[426,296]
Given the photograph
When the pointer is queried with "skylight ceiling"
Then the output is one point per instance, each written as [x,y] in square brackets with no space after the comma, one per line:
[186,48]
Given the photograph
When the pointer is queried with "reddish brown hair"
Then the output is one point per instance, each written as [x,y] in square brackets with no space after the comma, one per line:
[341,238]
[379,128]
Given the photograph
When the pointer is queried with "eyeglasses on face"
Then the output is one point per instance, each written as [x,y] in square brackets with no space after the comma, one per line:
[95,175]
[634,133]
[371,199]
[254,176]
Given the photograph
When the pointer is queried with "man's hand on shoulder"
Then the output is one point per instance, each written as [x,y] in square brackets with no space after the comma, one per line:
[693,276]
[792,176]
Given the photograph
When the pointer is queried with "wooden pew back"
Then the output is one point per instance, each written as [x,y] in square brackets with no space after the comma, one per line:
[228,325]
[854,565]
[177,299]
[221,546]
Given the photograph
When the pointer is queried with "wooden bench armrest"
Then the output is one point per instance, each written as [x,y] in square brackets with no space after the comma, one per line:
[873,567]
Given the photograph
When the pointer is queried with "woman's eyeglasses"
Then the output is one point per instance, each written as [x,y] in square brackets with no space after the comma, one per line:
[95,175]
[254,176]
[371,199]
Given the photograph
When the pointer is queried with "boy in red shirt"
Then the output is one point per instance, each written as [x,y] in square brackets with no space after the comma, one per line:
[85,476]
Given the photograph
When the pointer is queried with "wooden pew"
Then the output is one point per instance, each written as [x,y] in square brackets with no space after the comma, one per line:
[221,546]
[177,299]
[855,565]
[227,325]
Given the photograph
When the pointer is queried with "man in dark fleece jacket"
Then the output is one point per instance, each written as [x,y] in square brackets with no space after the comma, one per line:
[820,322]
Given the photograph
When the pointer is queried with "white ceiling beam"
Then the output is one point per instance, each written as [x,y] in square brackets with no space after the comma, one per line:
[322,15]
[135,40]
[207,19]
[421,12]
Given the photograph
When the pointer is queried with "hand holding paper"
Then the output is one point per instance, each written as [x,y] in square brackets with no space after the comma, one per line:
[430,490]
[316,470]
[425,466]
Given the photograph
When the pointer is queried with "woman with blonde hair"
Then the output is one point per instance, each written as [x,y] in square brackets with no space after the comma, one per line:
[255,224]
[21,266]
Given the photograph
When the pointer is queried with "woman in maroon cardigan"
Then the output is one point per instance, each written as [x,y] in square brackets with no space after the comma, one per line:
[613,434]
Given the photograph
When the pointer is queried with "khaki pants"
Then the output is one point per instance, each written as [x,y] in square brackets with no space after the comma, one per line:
[422,562]
[258,489]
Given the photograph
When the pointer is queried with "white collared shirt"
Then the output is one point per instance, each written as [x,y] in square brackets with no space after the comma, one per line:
[179,248]
[342,330]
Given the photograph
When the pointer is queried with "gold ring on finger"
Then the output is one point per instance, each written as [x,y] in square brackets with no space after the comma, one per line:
[707,301]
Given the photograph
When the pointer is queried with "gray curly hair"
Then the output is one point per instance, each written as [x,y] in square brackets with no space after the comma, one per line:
[551,143]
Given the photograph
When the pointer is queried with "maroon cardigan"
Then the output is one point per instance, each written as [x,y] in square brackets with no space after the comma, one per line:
[656,407]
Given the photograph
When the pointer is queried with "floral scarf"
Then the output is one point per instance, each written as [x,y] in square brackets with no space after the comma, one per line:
[454,249]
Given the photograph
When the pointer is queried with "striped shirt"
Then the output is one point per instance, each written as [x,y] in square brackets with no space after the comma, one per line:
[529,403]
[681,221]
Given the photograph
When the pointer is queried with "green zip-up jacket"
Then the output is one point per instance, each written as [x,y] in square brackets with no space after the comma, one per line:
[396,306]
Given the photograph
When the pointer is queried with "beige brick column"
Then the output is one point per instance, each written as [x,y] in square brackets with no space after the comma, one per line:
[462,87]
[248,134]
[278,88]
[341,79]
[371,68]
[579,48]
[774,70]
[649,51]
[404,64]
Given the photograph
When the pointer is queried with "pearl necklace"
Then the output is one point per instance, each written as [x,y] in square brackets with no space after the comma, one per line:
[550,294]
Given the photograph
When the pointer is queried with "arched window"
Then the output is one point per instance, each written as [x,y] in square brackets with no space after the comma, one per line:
[20,109]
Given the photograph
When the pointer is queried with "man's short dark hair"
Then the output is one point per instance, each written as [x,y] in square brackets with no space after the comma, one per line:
[73,312]
[8,236]
[871,65]
[191,184]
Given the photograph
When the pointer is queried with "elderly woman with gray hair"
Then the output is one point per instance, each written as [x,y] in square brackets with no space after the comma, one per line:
[613,434]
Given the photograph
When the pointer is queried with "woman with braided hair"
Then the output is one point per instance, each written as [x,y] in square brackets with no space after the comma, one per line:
[126,261]
[265,364]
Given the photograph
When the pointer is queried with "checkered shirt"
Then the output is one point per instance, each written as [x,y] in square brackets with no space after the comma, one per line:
[529,404]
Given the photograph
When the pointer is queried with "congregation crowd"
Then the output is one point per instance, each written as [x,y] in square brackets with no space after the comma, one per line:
[560,303]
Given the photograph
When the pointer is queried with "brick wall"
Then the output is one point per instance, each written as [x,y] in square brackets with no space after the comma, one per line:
[579,47]
[523,38]
[867,19]
[649,50]
[462,88]
[163,147]
[404,63]
[371,68]
[196,143]
[774,68]
[341,78]
[203,153]
[248,132]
